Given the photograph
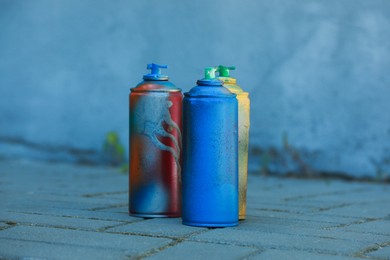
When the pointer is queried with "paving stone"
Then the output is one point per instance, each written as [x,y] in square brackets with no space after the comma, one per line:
[171,227]
[55,198]
[67,222]
[282,207]
[29,203]
[65,178]
[378,209]
[366,238]
[280,241]
[196,250]
[293,189]
[273,223]
[318,217]
[134,245]
[354,196]
[120,209]
[16,249]
[316,205]
[297,255]
[81,212]
[276,223]
[323,217]
[309,228]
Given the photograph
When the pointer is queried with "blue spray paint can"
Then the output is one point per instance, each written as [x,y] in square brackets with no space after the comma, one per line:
[210,155]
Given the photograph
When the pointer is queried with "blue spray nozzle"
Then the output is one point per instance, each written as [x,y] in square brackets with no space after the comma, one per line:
[156,69]
[155,73]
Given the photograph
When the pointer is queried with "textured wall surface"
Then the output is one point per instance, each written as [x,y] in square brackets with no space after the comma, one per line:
[317,72]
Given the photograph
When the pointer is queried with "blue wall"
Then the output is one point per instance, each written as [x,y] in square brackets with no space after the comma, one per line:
[317,72]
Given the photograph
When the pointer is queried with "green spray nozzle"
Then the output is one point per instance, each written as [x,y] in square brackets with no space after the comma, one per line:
[209,78]
[209,73]
[156,69]
[224,71]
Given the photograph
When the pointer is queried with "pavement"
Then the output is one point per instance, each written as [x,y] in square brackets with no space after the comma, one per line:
[63,211]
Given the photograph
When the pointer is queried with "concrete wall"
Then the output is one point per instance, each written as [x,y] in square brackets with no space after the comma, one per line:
[317,72]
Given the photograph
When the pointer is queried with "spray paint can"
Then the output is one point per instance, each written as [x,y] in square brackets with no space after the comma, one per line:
[210,167]
[243,133]
[155,146]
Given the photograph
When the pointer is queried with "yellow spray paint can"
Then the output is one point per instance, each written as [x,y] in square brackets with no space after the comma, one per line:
[243,132]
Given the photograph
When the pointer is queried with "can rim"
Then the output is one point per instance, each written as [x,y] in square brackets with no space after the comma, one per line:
[188,94]
[154,90]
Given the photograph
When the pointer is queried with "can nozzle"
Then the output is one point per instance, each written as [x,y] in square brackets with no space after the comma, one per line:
[209,73]
[224,71]
[209,78]
[155,72]
[156,69]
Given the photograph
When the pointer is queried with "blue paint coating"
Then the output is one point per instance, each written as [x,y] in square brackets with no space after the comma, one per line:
[210,156]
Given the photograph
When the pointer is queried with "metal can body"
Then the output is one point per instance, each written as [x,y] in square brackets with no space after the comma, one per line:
[243,140]
[210,168]
[155,151]
[243,134]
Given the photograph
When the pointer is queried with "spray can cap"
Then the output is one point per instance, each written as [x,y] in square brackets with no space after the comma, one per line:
[224,75]
[209,73]
[155,72]
[209,78]
[224,71]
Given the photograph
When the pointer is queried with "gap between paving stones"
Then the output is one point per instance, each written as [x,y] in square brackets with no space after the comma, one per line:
[321,209]
[156,235]
[81,214]
[91,195]
[357,222]
[341,205]
[109,207]
[175,242]
[8,225]
[77,217]
[370,249]
[326,194]
[278,210]
[99,230]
